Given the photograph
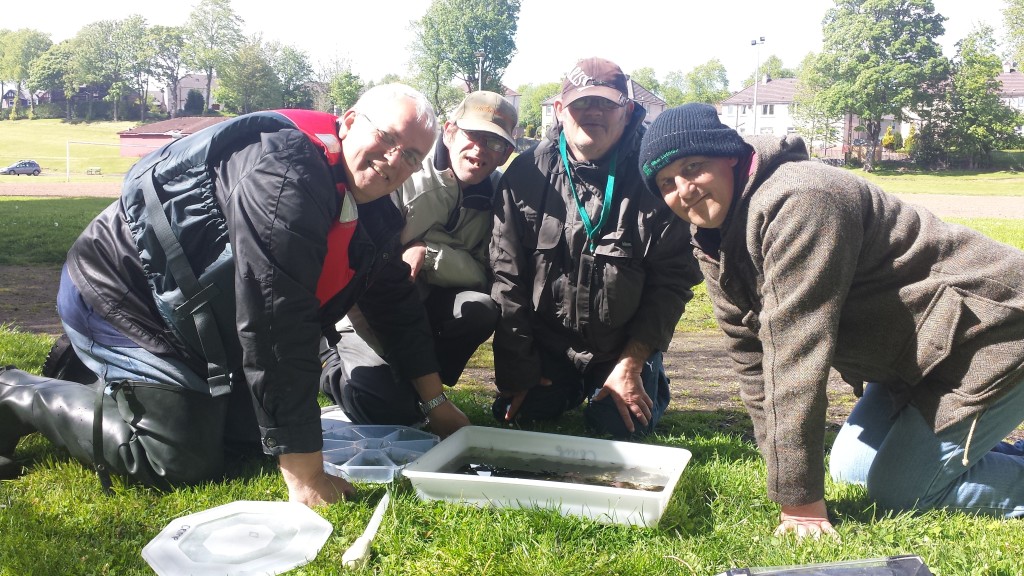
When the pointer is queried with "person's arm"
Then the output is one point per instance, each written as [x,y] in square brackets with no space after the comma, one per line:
[516,362]
[394,311]
[625,386]
[445,418]
[308,483]
[670,272]
[808,246]
[279,201]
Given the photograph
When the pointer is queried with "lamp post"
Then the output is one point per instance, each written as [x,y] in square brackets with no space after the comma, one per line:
[757,70]
[479,69]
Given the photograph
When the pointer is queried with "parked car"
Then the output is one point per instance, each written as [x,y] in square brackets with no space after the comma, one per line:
[22,167]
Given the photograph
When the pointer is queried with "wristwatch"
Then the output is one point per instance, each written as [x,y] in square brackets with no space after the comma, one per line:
[429,405]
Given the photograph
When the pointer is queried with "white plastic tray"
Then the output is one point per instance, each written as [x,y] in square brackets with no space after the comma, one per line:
[367,452]
[433,477]
[243,537]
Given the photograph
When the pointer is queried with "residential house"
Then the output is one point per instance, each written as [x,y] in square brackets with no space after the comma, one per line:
[762,108]
[143,139]
[771,112]
[187,83]
[1012,89]
[652,103]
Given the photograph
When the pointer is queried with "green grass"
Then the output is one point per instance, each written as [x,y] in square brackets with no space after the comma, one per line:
[55,520]
[958,182]
[40,230]
[47,142]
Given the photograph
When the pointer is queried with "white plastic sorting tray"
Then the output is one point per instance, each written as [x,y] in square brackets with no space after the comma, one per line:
[433,477]
[369,453]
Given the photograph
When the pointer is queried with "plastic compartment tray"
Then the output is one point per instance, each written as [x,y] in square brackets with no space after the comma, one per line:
[369,453]
[433,476]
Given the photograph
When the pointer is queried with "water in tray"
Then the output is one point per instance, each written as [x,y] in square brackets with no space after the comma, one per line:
[494,464]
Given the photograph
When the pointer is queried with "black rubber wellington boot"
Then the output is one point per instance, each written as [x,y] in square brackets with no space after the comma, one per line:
[12,427]
[62,411]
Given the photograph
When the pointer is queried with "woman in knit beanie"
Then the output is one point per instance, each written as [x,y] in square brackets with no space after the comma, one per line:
[809,268]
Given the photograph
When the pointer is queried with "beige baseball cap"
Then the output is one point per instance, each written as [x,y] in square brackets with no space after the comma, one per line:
[489,112]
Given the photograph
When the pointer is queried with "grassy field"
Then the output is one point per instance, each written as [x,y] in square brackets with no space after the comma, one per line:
[47,142]
[55,519]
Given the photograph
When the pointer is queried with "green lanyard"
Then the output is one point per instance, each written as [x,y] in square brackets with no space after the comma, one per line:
[606,207]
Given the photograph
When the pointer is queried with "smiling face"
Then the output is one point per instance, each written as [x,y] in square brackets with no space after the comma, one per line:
[472,154]
[699,189]
[380,146]
[593,130]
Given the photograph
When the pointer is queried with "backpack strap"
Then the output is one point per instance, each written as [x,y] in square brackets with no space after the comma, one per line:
[198,296]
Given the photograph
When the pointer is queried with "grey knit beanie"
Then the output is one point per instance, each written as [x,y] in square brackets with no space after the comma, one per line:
[688,130]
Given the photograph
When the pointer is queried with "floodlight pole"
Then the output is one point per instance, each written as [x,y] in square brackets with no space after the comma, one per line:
[757,70]
[479,69]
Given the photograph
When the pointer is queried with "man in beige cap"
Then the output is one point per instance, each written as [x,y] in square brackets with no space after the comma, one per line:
[447,209]
[588,271]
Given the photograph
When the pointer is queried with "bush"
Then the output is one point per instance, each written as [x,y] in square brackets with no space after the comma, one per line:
[194,102]
[50,110]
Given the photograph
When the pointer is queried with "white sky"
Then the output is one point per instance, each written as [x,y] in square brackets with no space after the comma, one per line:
[677,35]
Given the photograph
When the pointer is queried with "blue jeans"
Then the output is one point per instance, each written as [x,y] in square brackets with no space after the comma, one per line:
[113,363]
[905,465]
[111,355]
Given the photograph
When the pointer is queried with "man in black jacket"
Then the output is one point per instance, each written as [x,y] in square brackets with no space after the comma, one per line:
[199,297]
[588,273]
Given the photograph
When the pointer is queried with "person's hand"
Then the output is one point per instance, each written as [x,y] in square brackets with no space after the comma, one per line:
[414,255]
[446,418]
[806,520]
[308,483]
[627,391]
[517,400]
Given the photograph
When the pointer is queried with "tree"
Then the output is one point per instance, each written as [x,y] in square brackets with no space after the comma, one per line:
[647,78]
[531,102]
[707,83]
[1013,20]
[96,62]
[323,74]
[248,82]
[449,36]
[978,121]
[21,49]
[910,144]
[813,117]
[194,103]
[771,67]
[294,73]
[168,64]
[132,45]
[213,32]
[54,71]
[879,55]
[346,87]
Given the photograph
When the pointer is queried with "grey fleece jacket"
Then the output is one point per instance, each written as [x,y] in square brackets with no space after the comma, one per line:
[819,268]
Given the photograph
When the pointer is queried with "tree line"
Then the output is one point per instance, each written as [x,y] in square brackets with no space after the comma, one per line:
[879,59]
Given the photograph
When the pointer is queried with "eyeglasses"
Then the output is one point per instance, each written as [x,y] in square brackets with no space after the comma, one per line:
[493,143]
[595,101]
[411,160]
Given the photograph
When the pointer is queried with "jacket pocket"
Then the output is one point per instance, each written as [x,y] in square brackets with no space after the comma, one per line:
[549,268]
[933,337]
[621,280]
